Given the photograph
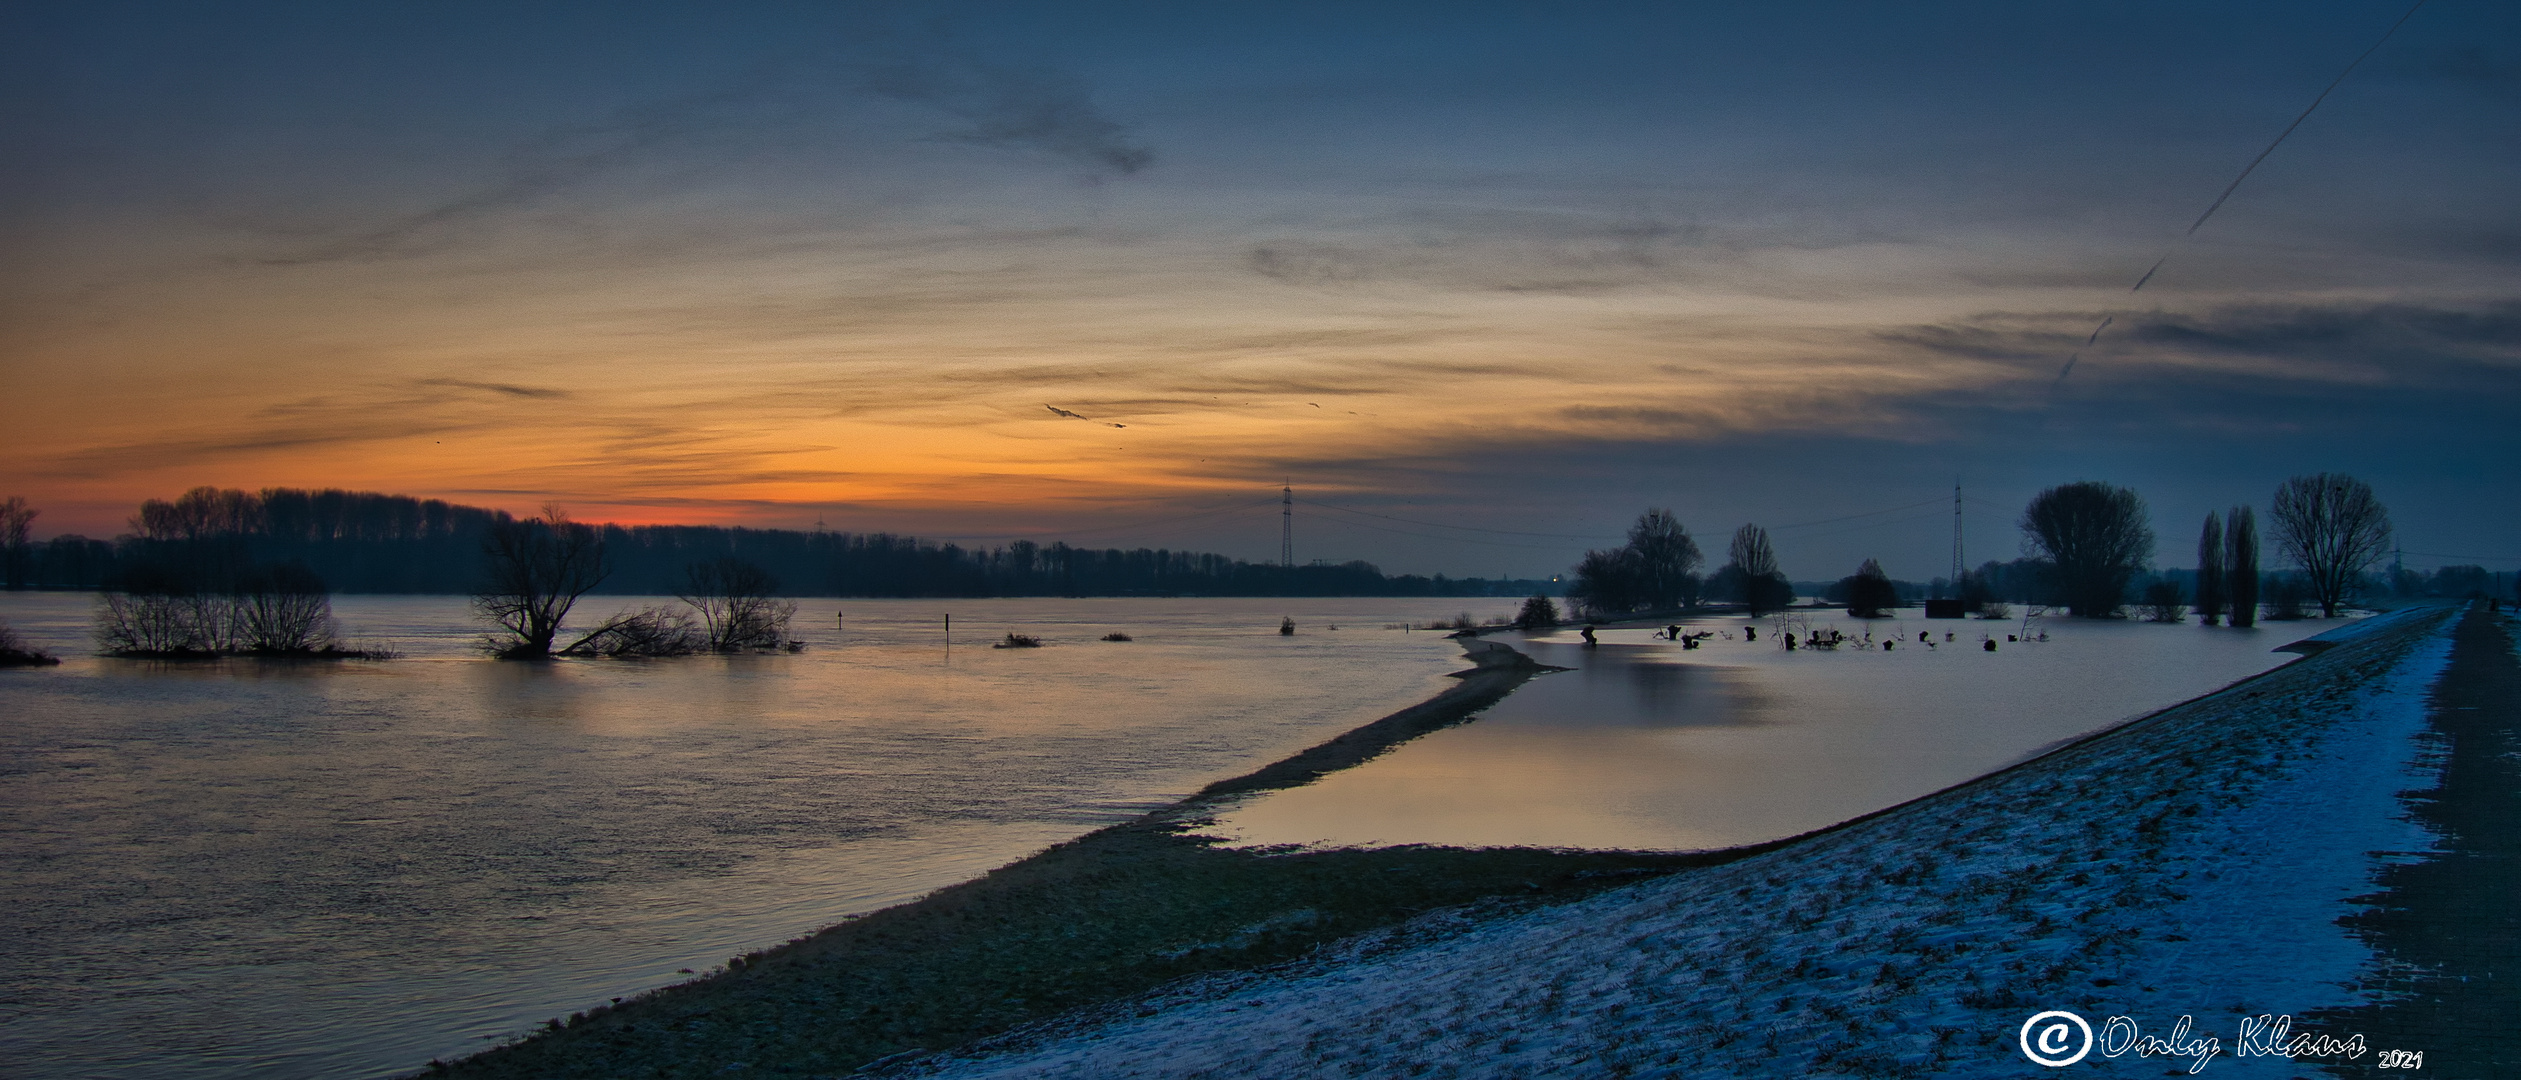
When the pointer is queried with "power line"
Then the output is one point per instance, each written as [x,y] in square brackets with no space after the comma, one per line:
[1445,539]
[1909,520]
[1228,508]
[2481,558]
[1937,500]
[1464,528]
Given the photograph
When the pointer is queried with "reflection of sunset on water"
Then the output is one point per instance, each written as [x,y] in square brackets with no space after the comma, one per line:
[1644,746]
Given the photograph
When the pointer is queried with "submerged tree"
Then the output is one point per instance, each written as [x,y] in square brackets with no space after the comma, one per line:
[1870,593]
[738,610]
[1666,561]
[2095,536]
[2163,602]
[649,631]
[2333,528]
[2211,598]
[1606,582]
[1751,576]
[1539,611]
[285,609]
[2240,564]
[538,568]
[15,652]
[17,548]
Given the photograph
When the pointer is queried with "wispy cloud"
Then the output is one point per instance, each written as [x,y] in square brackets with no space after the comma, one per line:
[1038,109]
[507,389]
[332,421]
[555,161]
[2307,341]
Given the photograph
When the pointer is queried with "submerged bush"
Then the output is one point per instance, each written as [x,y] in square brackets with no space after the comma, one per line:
[737,610]
[285,610]
[165,624]
[279,610]
[2163,602]
[1021,641]
[653,631]
[15,652]
[2285,596]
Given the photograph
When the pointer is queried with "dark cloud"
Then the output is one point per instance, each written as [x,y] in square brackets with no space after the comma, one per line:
[1495,249]
[504,389]
[2378,333]
[2309,340]
[323,422]
[104,461]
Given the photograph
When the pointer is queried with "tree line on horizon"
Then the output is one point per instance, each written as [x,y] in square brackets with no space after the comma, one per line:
[2089,549]
[364,542]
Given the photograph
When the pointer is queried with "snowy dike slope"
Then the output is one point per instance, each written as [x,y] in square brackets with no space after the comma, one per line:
[2193,863]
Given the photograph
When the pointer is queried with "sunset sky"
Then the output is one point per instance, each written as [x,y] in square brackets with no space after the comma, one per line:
[1518,268]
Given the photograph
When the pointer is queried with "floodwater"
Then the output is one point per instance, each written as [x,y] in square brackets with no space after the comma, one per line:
[1645,745]
[345,869]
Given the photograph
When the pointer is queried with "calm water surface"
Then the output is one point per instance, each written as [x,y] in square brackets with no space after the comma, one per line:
[1645,745]
[276,869]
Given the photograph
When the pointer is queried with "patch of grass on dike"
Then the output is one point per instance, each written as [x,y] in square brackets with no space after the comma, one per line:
[1101,918]
[1105,917]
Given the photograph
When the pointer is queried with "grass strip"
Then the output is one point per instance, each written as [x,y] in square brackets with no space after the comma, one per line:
[1107,916]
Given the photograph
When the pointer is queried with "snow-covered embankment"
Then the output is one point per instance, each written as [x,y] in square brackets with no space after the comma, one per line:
[2191,863]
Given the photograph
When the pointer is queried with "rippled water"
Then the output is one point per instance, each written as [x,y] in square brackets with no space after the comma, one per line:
[1644,745]
[278,869]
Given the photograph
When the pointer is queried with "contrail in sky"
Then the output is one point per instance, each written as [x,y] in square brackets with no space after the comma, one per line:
[2306,114]
[2246,170]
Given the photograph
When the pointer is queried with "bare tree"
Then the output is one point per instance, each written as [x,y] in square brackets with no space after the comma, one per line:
[17,549]
[1752,576]
[15,652]
[165,623]
[2240,564]
[2163,602]
[2211,596]
[736,605]
[1539,611]
[1869,591]
[285,609]
[1606,582]
[1666,563]
[2095,536]
[650,631]
[2332,527]
[538,568]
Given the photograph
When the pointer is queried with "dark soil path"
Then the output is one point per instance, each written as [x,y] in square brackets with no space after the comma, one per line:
[2449,926]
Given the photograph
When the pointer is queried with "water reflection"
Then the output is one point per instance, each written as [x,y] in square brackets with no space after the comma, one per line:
[1647,745]
[285,869]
